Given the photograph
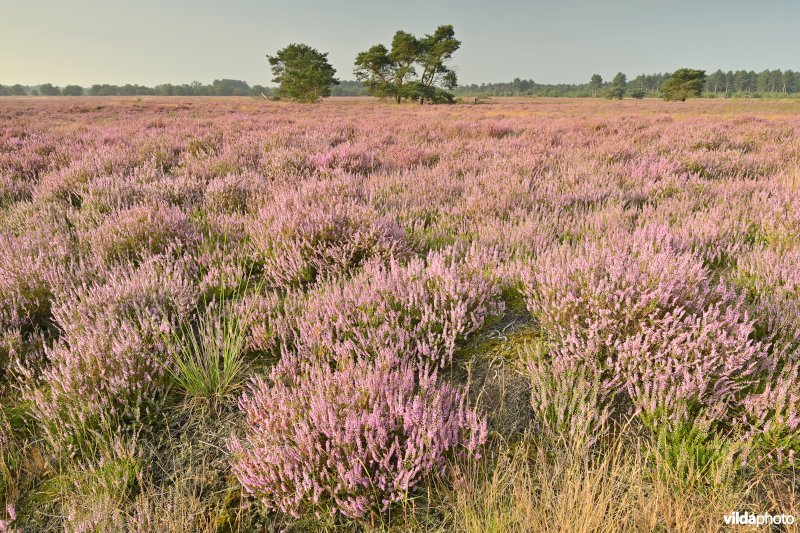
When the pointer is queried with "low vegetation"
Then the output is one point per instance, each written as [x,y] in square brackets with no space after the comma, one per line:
[233,315]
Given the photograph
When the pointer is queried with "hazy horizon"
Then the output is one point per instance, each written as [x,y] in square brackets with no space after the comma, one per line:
[89,41]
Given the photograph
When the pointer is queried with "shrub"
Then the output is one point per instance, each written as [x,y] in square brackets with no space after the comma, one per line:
[133,233]
[350,441]
[691,458]
[431,304]
[110,359]
[229,194]
[773,418]
[772,281]
[652,323]
[314,233]
[567,402]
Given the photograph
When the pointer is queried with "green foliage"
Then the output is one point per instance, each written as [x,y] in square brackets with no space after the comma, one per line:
[638,94]
[618,87]
[684,83]
[209,365]
[47,89]
[595,84]
[227,87]
[693,458]
[72,90]
[303,73]
[414,69]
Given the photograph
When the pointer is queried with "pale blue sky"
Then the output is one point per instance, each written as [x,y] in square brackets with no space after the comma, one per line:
[157,41]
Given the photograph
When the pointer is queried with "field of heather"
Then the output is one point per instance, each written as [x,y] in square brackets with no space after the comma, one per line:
[527,315]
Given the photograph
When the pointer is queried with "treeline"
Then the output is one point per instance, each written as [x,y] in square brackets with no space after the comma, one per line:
[218,88]
[223,87]
[719,83]
[740,83]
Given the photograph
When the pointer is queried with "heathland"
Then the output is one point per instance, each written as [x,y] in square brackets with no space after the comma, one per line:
[526,315]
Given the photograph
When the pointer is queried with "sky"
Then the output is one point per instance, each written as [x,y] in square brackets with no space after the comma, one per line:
[551,41]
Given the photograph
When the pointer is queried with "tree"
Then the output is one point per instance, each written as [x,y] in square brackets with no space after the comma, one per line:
[684,83]
[303,73]
[72,90]
[47,89]
[17,90]
[413,69]
[434,52]
[230,88]
[618,86]
[595,84]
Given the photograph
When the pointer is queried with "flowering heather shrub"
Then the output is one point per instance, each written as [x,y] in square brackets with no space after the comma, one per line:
[111,355]
[772,413]
[771,277]
[684,363]
[429,304]
[229,193]
[133,233]
[649,321]
[29,274]
[567,399]
[347,157]
[262,319]
[312,233]
[350,441]
[223,267]
[35,264]
[606,290]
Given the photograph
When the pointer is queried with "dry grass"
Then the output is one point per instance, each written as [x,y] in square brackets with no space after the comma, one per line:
[544,485]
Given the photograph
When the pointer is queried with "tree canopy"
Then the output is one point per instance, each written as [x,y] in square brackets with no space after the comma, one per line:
[72,90]
[303,73]
[413,69]
[684,83]
[595,84]
[618,87]
[47,89]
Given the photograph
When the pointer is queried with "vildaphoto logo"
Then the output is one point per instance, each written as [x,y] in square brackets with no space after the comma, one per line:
[764,519]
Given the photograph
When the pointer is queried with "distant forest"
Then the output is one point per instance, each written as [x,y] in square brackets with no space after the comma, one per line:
[740,83]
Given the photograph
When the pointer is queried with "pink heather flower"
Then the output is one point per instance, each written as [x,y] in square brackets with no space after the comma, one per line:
[428,304]
[351,440]
[318,231]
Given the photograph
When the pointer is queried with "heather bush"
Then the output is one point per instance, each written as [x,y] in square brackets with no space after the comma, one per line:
[110,360]
[262,318]
[33,268]
[691,457]
[567,400]
[224,266]
[429,304]
[131,234]
[230,193]
[350,441]
[652,323]
[773,417]
[771,279]
[319,231]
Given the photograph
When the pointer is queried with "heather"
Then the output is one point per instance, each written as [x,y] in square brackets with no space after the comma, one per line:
[234,315]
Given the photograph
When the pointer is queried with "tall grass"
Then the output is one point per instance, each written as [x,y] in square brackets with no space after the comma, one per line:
[208,360]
